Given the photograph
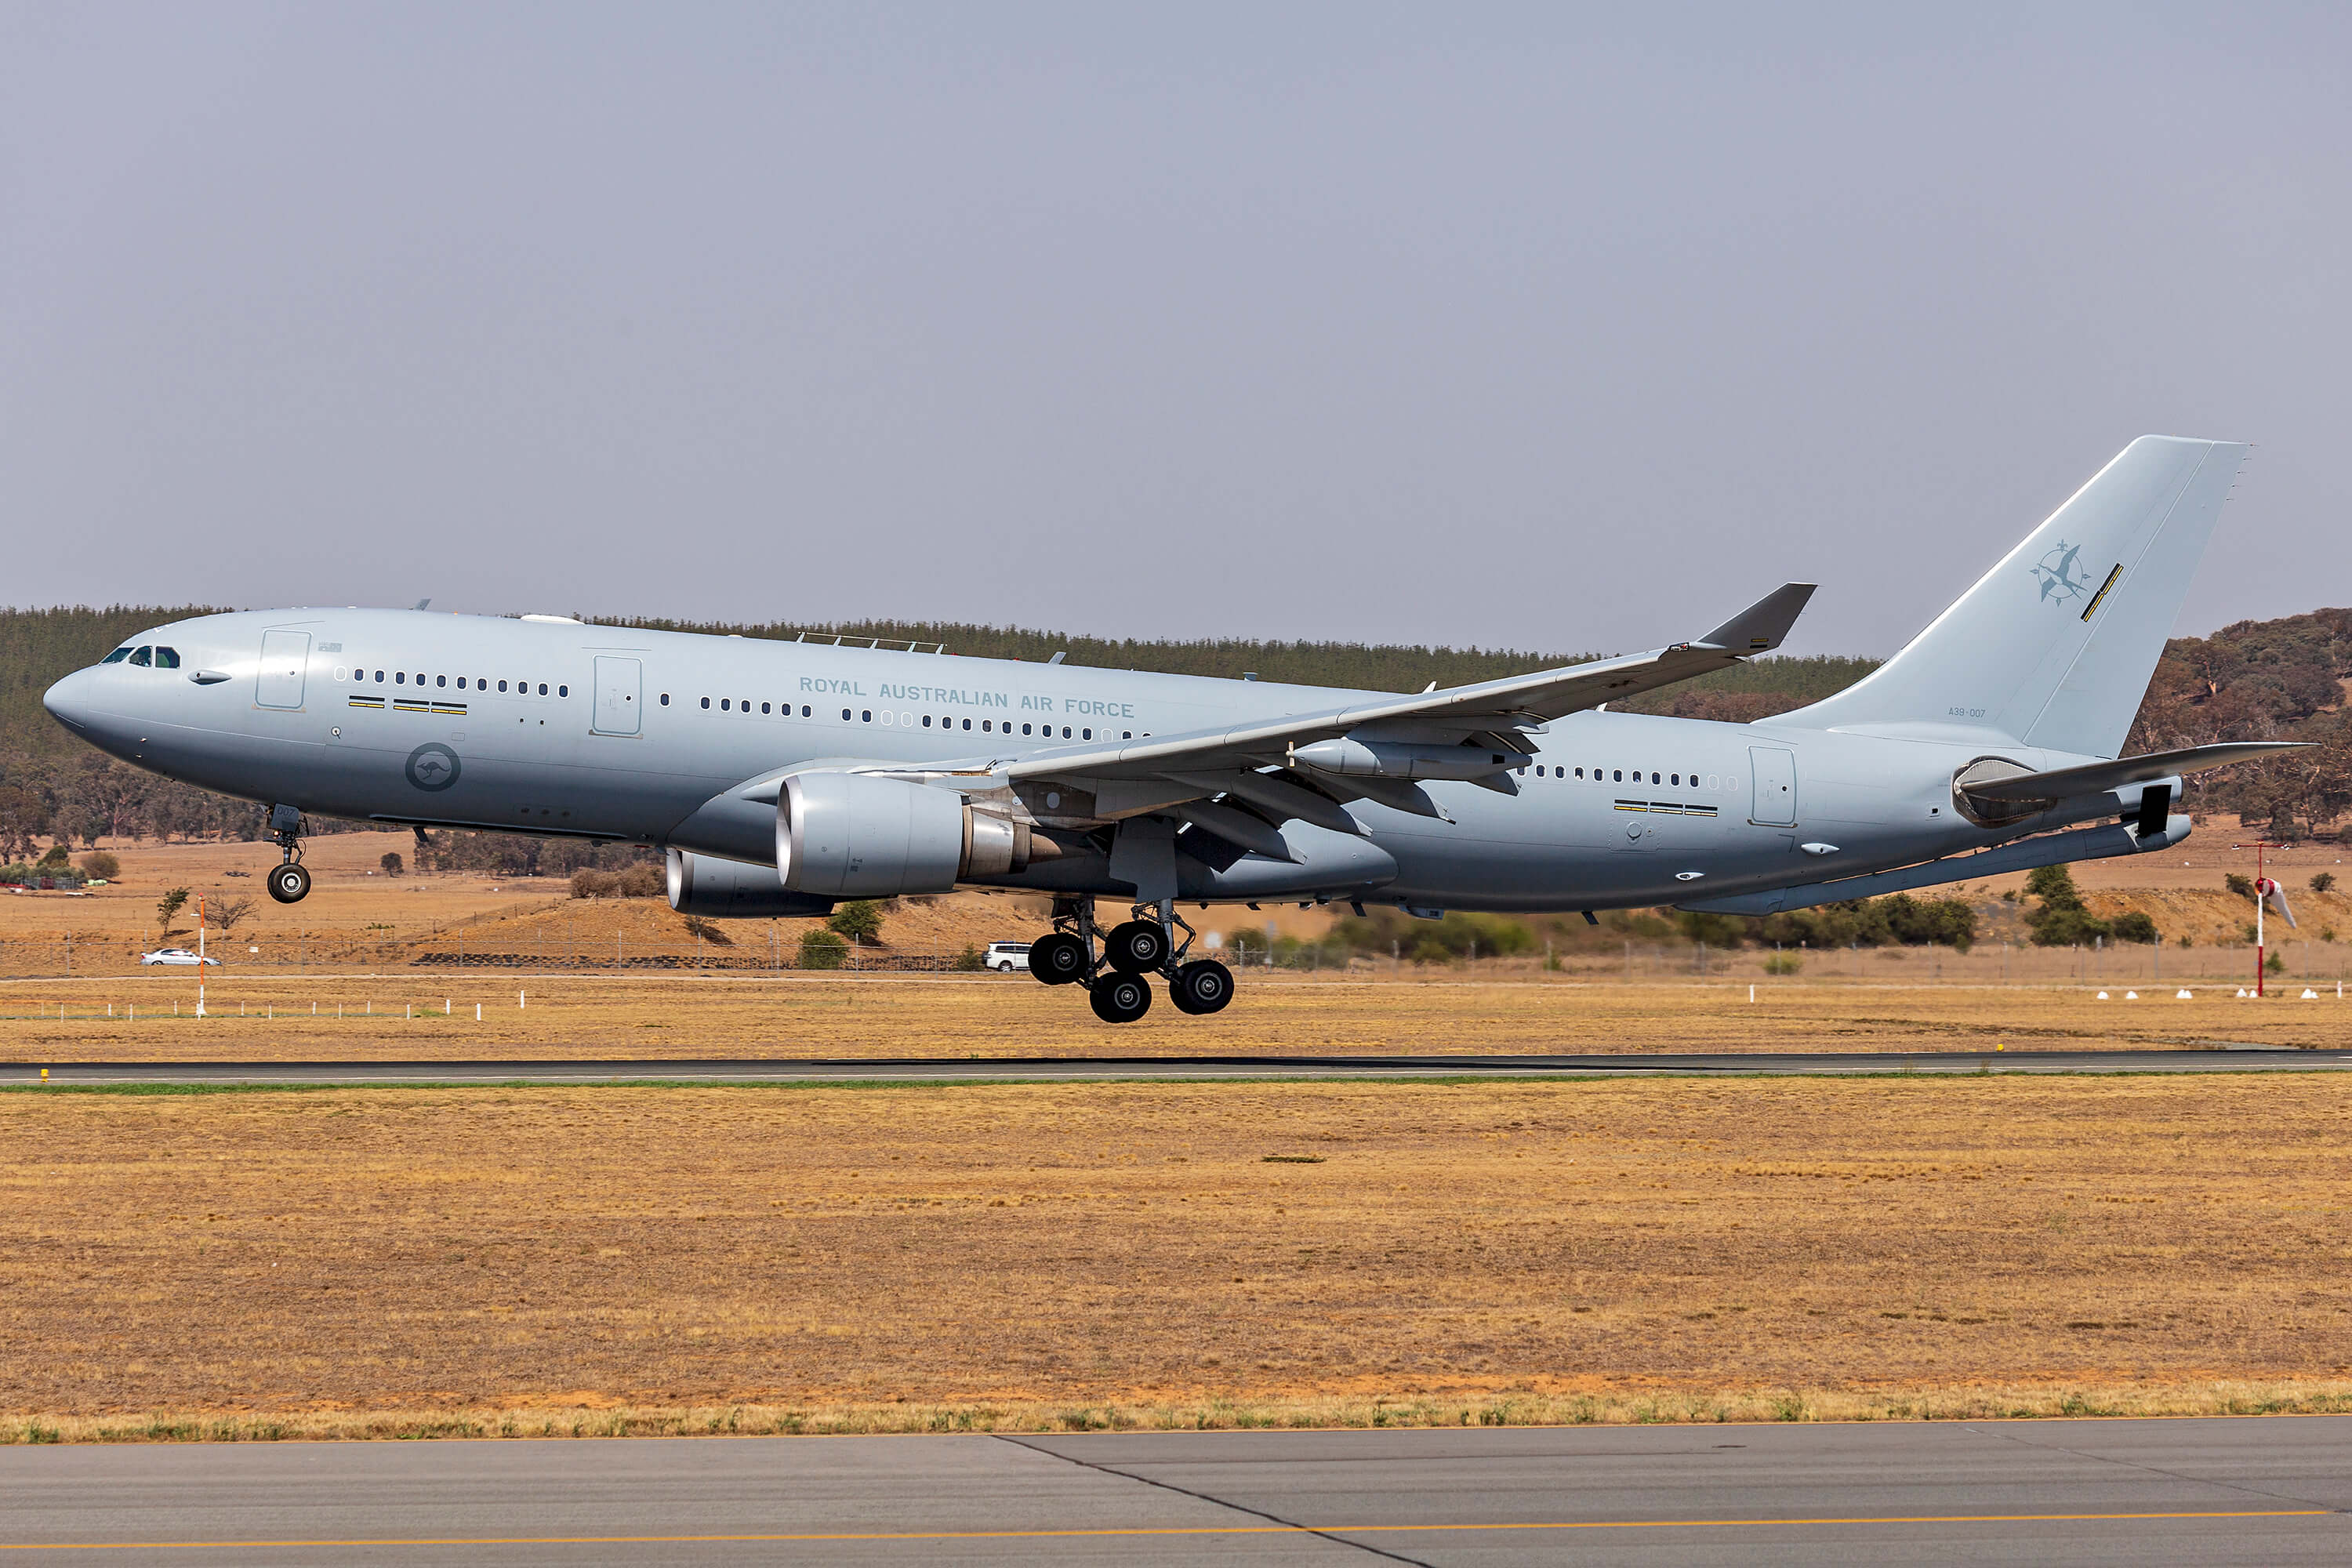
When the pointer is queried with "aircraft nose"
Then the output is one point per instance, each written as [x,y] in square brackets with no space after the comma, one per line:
[68,702]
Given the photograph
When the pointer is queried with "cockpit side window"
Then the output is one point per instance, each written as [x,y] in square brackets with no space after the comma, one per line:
[143,657]
[118,655]
[167,658]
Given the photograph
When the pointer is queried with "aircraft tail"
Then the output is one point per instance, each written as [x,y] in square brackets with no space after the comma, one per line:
[2054,645]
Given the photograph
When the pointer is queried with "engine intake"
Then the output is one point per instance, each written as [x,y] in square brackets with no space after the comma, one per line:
[859,835]
[707,885]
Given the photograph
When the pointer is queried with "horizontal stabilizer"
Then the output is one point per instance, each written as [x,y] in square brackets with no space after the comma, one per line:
[2061,783]
[1764,625]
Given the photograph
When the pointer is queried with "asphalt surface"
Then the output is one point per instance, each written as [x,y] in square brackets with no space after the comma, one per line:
[2146,1493]
[2223,1057]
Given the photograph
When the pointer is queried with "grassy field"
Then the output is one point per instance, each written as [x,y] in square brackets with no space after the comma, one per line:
[399,1016]
[601,1261]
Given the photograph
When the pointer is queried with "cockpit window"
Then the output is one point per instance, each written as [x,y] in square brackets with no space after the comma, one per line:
[143,657]
[167,659]
[118,655]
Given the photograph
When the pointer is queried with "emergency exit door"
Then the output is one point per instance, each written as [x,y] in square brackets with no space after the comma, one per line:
[617,696]
[1775,773]
[284,655]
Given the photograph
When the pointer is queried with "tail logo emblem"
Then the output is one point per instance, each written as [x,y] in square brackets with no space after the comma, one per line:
[433,767]
[2060,574]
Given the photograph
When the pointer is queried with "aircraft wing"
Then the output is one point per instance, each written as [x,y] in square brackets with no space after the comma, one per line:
[1514,702]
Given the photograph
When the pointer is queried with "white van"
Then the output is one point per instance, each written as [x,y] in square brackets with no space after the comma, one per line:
[1004,957]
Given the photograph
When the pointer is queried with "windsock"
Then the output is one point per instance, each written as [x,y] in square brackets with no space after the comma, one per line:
[2268,892]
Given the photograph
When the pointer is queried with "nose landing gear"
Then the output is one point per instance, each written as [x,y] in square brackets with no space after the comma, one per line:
[290,882]
[1116,985]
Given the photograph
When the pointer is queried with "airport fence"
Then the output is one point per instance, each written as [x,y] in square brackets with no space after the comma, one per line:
[752,950]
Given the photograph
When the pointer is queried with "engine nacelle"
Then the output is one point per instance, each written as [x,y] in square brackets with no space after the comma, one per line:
[707,885]
[859,835]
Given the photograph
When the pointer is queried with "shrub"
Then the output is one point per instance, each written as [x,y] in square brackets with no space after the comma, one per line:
[2241,885]
[969,961]
[822,949]
[59,855]
[101,865]
[171,904]
[391,863]
[860,921]
[2276,964]
[2134,926]
[1783,964]
[590,883]
[2061,920]
[2322,881]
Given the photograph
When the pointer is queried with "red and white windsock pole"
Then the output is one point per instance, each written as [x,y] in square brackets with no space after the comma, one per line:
[2267,893]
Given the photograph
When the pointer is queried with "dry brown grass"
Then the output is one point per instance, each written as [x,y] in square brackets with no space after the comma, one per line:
[989,1016]
[597,1260]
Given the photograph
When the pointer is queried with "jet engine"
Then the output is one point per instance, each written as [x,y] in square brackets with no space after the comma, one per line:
[860,836]
[707,885]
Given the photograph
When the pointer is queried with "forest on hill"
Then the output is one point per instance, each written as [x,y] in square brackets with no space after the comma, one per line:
[2280,679]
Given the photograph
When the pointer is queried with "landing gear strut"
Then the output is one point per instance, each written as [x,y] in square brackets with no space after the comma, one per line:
[1117,985]
[290,882]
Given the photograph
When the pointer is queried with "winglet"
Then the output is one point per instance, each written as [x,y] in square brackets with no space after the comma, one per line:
[1762,626]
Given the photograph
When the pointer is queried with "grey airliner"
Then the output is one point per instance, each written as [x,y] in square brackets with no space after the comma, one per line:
[780,777]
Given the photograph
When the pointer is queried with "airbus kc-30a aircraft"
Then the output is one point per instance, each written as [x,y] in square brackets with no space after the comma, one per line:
[780,777]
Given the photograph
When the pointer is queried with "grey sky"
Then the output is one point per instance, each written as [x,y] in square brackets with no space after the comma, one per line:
[1520,326]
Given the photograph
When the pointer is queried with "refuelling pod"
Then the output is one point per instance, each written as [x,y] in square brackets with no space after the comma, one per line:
[859,836]
[707,885]
[1347,757]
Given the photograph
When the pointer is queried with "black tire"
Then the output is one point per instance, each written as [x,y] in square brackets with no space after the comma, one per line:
[1119,998]
[1204,985]
[290,883]
[1138,947]
[1058,959]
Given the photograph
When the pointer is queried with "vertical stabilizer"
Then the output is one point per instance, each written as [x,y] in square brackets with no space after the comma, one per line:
[2055,644]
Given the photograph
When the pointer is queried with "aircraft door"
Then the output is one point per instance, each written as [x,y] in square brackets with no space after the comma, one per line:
[618,682]
[1775,774]
[284,657]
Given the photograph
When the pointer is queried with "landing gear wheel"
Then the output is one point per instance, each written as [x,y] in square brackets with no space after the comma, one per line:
[1058,959]
[1121,998]
[1138,947]
[1204,985]
[290,883]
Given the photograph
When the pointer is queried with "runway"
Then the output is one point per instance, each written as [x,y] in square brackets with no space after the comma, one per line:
[2221,1056]
[2253,1490]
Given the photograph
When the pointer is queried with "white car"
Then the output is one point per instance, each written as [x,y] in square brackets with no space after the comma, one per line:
[176,955]
[1004,957]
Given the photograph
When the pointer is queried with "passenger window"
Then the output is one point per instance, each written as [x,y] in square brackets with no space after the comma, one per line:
[1024,729]
[440,680]
[167,659]
[1621,775]
[1653,778]
[706,702]
[927,721]
[1127,734]
[461,683]
[1676,779]
[724,706]
[867,715]
[118,655]
[804,711]
[563,692]
[400,677]
[664,699]
[379,677]
[502,685]
[967,723]
[1087,735]
[542,688]
[845,715]
[1066,731]
[763,708]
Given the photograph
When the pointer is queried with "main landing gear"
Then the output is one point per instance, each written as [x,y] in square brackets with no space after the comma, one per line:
[1116,983]
[290,882]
